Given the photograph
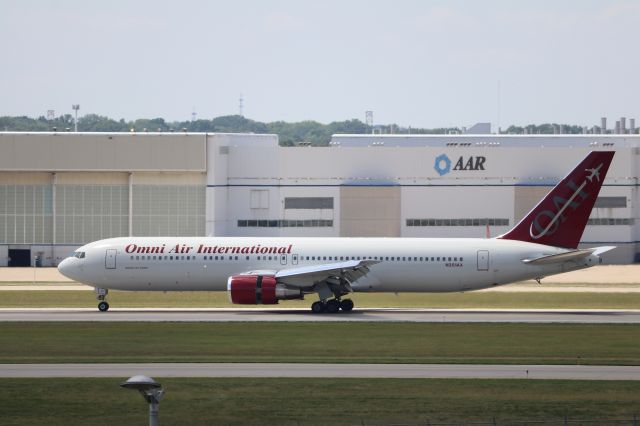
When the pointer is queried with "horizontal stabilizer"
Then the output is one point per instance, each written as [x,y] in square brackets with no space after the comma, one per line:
[600,250]
[567,256]
[558,258]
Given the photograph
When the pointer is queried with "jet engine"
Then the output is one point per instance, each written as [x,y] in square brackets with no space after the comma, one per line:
[259,290]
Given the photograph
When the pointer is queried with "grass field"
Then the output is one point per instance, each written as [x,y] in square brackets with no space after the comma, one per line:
[320,342]
[520,300]
[317,402]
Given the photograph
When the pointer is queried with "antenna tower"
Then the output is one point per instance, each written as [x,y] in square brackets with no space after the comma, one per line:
[368,119]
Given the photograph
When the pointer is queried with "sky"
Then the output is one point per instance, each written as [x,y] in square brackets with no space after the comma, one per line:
[418,63]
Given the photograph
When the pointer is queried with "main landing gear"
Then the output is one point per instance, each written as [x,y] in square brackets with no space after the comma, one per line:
[103,305]
[332,306]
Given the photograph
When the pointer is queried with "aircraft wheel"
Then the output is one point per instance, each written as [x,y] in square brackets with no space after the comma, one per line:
[317,307]
[346,305]
[103,306]
[333,306]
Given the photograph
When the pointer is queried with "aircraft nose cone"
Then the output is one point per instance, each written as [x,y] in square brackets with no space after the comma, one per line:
[66,268]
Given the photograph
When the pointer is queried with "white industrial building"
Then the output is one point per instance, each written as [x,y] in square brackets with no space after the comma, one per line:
[61,190]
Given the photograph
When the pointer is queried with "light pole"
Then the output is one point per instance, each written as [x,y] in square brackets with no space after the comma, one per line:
[150,390]
[76,107]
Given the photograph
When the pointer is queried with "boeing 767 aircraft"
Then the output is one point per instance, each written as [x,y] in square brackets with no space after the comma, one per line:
[265,270]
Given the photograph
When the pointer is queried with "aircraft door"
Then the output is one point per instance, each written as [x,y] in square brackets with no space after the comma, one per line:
[283,259]
[294,259]
[110,259]
[483,260]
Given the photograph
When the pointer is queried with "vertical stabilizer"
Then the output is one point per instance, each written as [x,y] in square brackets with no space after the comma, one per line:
[560,218]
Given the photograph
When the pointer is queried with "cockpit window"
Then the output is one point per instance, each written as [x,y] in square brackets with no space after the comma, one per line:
[79,254]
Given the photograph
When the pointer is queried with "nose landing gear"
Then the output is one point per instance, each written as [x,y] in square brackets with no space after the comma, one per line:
[103,305]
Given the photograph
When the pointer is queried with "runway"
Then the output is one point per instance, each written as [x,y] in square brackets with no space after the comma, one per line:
[297,315]
[264,370]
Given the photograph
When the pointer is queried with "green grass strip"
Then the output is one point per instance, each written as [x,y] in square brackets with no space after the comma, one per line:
[615,344]
[318,402]
[569,300]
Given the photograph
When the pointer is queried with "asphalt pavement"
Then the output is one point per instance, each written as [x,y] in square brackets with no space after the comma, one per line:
[594,316]
[263,370]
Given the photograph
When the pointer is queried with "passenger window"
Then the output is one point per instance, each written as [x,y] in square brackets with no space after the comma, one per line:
[247,257]
[449,259]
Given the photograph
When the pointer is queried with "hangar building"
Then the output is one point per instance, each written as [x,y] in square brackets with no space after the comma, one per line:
[61,190]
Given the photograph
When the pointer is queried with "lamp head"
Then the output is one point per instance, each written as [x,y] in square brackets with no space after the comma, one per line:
[150,390]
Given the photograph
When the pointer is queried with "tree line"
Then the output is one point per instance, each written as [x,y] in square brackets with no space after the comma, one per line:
[289,134]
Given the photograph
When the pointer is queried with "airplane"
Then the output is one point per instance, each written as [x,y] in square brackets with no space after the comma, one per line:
[257,270]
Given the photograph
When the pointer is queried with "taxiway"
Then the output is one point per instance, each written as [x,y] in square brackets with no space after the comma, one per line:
[425,371]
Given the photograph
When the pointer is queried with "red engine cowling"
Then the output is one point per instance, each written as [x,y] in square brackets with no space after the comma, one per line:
[258,290]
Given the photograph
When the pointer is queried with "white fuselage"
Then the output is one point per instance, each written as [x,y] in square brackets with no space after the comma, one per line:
[404,264]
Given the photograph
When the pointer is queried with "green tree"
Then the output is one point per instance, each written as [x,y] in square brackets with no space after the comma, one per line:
[98,123]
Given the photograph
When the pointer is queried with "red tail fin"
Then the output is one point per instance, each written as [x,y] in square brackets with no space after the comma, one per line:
[560,218]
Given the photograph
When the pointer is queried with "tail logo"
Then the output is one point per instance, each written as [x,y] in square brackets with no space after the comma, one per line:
[537,230]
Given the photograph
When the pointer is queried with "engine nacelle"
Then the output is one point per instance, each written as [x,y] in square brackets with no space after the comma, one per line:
[259,290]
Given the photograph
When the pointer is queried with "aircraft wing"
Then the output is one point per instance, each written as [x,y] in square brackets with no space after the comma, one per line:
[307,276]
[567,256]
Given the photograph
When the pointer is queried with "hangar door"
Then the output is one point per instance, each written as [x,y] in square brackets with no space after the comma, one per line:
[370,211]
